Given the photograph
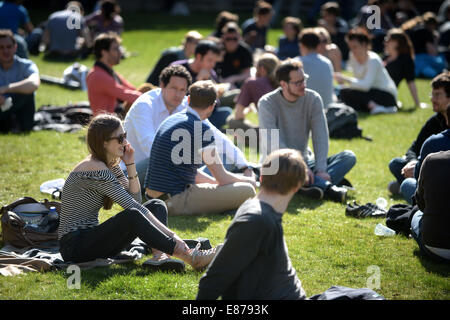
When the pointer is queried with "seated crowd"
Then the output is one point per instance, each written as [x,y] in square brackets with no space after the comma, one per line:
[165,141]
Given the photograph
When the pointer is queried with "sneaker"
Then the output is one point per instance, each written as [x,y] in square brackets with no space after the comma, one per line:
[364,211]
[202,258]
[337,194]
[311,192]
[382,109]
[394,187]
[164,263]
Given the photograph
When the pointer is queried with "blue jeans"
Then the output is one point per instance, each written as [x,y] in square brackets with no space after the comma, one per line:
[428,66]
[338,166]
[396,165]
[408,188]
[416,232]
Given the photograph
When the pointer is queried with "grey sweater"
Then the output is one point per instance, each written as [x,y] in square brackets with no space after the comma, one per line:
[295,122]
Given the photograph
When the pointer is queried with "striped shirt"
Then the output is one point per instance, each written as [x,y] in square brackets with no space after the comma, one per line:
[175,154]
[83,196]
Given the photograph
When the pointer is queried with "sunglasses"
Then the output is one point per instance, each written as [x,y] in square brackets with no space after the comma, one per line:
[120,139]
[231,39]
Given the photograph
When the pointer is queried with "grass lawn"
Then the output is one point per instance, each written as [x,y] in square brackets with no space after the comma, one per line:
[326,247]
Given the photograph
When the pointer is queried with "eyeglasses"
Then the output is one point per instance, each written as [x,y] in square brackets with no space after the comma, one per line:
[231,39]
[120,139]
[300,82]
[436,95]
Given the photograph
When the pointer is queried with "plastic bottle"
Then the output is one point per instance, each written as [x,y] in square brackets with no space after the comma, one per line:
[382,203]
[49,221]
[381,230]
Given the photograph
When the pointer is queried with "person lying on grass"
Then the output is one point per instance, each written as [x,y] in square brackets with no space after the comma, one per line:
[98,181]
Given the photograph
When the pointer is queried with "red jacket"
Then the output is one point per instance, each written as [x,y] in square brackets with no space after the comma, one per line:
[104,91]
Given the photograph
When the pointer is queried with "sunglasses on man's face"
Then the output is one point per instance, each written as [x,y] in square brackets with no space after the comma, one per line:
[231,39]
[120,139]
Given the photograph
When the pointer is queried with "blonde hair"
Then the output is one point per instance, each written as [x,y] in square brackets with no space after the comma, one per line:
[269,62]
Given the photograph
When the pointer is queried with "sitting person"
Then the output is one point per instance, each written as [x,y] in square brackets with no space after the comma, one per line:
[318,68]
[371,89]
[404,167]
[399,61]
[254,262]
[428,62]
[98,182]
[290,114]
[288,43]
[152,108]
[329,49]
[336,26]
[430,225]
[254,30]
[106,88]
[63,41]
[201,67]
[185,51]
[105,20]
[253,89]
[238,59]
[435,143]
[19,79]
[173,173]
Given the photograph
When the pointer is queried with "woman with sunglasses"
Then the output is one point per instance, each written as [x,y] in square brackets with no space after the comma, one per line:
[98,182]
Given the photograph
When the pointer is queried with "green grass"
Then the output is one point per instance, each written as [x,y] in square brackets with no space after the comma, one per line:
[326,247]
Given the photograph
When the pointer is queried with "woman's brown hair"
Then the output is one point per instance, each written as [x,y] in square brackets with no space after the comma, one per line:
[404,44]
[100,129]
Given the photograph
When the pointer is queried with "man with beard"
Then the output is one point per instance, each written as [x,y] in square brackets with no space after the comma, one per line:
[296,112]
[106,88]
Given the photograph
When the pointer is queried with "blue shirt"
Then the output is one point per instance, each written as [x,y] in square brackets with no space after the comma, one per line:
[63,35]
[435,143]
[175,154]
[287,49]
[20,70]
[12,16]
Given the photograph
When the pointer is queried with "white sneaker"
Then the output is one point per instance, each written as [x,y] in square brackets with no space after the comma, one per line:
[381,109]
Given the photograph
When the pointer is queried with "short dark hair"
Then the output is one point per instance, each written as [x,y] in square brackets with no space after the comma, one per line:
[291,171]
[204,46]
[262,8]
[359,34]
[103,42]
[224,17]
[442,81]
[231,27]
[202,94]
[285,68]
[309,38]
[332,8]
[176,70]
[6,33]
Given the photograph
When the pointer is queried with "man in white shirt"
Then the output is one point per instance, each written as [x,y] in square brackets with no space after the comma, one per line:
[153,107]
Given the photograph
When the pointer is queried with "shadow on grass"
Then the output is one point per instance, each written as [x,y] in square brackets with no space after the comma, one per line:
[438,267]
[195,223]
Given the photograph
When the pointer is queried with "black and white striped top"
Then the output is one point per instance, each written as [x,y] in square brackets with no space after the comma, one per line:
[83,194]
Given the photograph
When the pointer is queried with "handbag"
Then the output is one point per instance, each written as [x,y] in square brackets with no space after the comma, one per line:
[25,223]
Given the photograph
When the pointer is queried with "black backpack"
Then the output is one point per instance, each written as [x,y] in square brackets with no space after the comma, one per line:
[342,121]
